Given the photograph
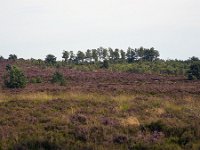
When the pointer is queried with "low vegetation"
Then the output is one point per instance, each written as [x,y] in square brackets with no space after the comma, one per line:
[95,121]
[14,78]
[58,78]
[194,72]
[100,99]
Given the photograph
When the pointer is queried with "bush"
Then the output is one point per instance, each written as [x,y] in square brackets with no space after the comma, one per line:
[194,72]
[58,78]
[14,78]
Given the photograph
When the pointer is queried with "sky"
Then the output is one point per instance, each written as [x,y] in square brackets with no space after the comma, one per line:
[35,28]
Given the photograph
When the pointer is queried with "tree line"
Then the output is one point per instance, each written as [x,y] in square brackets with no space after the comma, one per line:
[100,54]
[112,55]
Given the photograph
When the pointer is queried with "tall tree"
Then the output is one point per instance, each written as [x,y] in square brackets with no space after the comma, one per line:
[88,55]
[105,54]
[100,53]
[140,53]
[151,54]
[94,55]
[192,59]
[111,53]
[194,72]
[65,55]
[71,56]
[80,56]
[131,55]
[50,59]
[116,54]
[12,57]
[128,53]
[123,54]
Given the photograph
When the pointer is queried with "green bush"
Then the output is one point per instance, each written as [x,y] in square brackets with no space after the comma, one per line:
[194,72]
[14,78]
[58,78]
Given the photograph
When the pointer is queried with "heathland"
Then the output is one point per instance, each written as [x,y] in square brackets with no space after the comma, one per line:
[139,105]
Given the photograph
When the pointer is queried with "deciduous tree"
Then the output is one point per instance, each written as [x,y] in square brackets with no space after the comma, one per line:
[65,56]
[50,59]
[12,57]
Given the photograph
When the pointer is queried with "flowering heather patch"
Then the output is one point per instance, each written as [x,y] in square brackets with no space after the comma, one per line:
[100,110]
[105,81]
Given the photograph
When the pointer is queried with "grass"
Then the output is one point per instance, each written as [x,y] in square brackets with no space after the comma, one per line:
[45,96]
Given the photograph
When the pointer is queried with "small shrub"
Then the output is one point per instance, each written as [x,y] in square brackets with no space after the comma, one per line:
[14,78]
[58,78]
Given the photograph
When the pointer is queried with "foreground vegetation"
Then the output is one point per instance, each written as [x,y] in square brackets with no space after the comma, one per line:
[95,121]
[99,110]
[137,104]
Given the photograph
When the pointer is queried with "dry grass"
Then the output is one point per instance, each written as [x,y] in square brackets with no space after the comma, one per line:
[132,121]
[45,96]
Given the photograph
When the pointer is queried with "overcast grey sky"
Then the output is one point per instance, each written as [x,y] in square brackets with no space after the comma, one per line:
[34,28]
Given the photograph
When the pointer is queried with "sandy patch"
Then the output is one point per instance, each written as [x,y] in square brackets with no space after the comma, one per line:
[159,111]
[131,121]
